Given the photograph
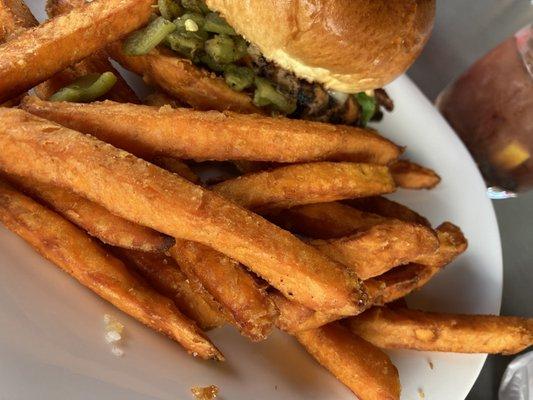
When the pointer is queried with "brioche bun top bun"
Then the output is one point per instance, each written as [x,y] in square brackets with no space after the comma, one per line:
[347,45]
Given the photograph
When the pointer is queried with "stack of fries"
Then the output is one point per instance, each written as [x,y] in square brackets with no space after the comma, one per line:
[302,240]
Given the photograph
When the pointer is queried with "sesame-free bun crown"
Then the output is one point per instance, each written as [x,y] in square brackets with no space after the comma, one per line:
[347,45]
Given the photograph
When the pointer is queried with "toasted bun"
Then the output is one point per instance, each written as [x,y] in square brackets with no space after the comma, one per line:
[347,45]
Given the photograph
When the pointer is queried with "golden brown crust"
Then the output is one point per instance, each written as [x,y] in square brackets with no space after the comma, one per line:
[15,18]
[409,175]
[230,285]
[362,367]
[165,275]
[167,203]
[95,219]
[81,257]
[297,184]
[189,134]
[420,330]
[95,25]
[387,208]
[183,80]
[380,248]
[357,44]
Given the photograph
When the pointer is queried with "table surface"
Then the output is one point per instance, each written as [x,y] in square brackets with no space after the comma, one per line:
[465,31]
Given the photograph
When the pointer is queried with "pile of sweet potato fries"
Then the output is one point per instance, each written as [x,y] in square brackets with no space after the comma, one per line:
[298,237]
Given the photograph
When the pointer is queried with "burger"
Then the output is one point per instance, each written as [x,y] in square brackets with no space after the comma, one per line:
[322,60]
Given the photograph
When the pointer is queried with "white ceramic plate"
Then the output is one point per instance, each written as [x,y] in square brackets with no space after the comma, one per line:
[51,332]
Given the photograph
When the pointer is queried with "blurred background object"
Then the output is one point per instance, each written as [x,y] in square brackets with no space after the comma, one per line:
[465,31]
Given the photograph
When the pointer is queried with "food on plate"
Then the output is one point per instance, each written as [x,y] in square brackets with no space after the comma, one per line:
[95,219]
[15,18]
[165,275]
[200,135]
[205,393]
[177,167]
[362,367]
[102,173]
[421,330]
[297,184]
[160,99]
[401,281]
[382,247]
[387,208]
[80,256]
[55,45]
[230,285]
[409,175]
[222,48]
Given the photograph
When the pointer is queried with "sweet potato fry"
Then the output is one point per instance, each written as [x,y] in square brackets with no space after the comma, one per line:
[176,167]
[55,45]
[297,184]
[324,220]
[181,79]
[95,219]
[15,18]
[189,134]
[387,208]
[428,331]
[165,275]
[168,203]
[365,369]
[95,63]
[160,99]
[409,175]
[380,248]
[232,287]
[401,281]
[78,255]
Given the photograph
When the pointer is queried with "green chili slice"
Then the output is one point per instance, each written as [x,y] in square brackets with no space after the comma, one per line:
[195,5]
[368,107]
[267,95]
[208,61]
[86,88]
[216,24]
[144,40]
[221,48]
[238,78]
[187,44]
[169,9]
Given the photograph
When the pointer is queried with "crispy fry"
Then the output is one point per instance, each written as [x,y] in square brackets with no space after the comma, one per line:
[409,175]
[15,18]
[297,184]
[78,255]
[380,248]
[55,45]
[165,275]
[232,287]
[169,204]
[325,220]
[95,63]
[401,281]
[160,99]
[189,134]
[387,208]
[181,79]
[95,219]
[365,369]
[428,331]
[177,167]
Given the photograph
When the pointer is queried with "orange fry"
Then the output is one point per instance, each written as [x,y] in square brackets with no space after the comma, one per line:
[15,18]
[165,275]
[232,287]
[318,182]
[189,134]
[365,369]
[95,219]
[80,256]
[420,330]
[169,204]
[55,45]
[409,175]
